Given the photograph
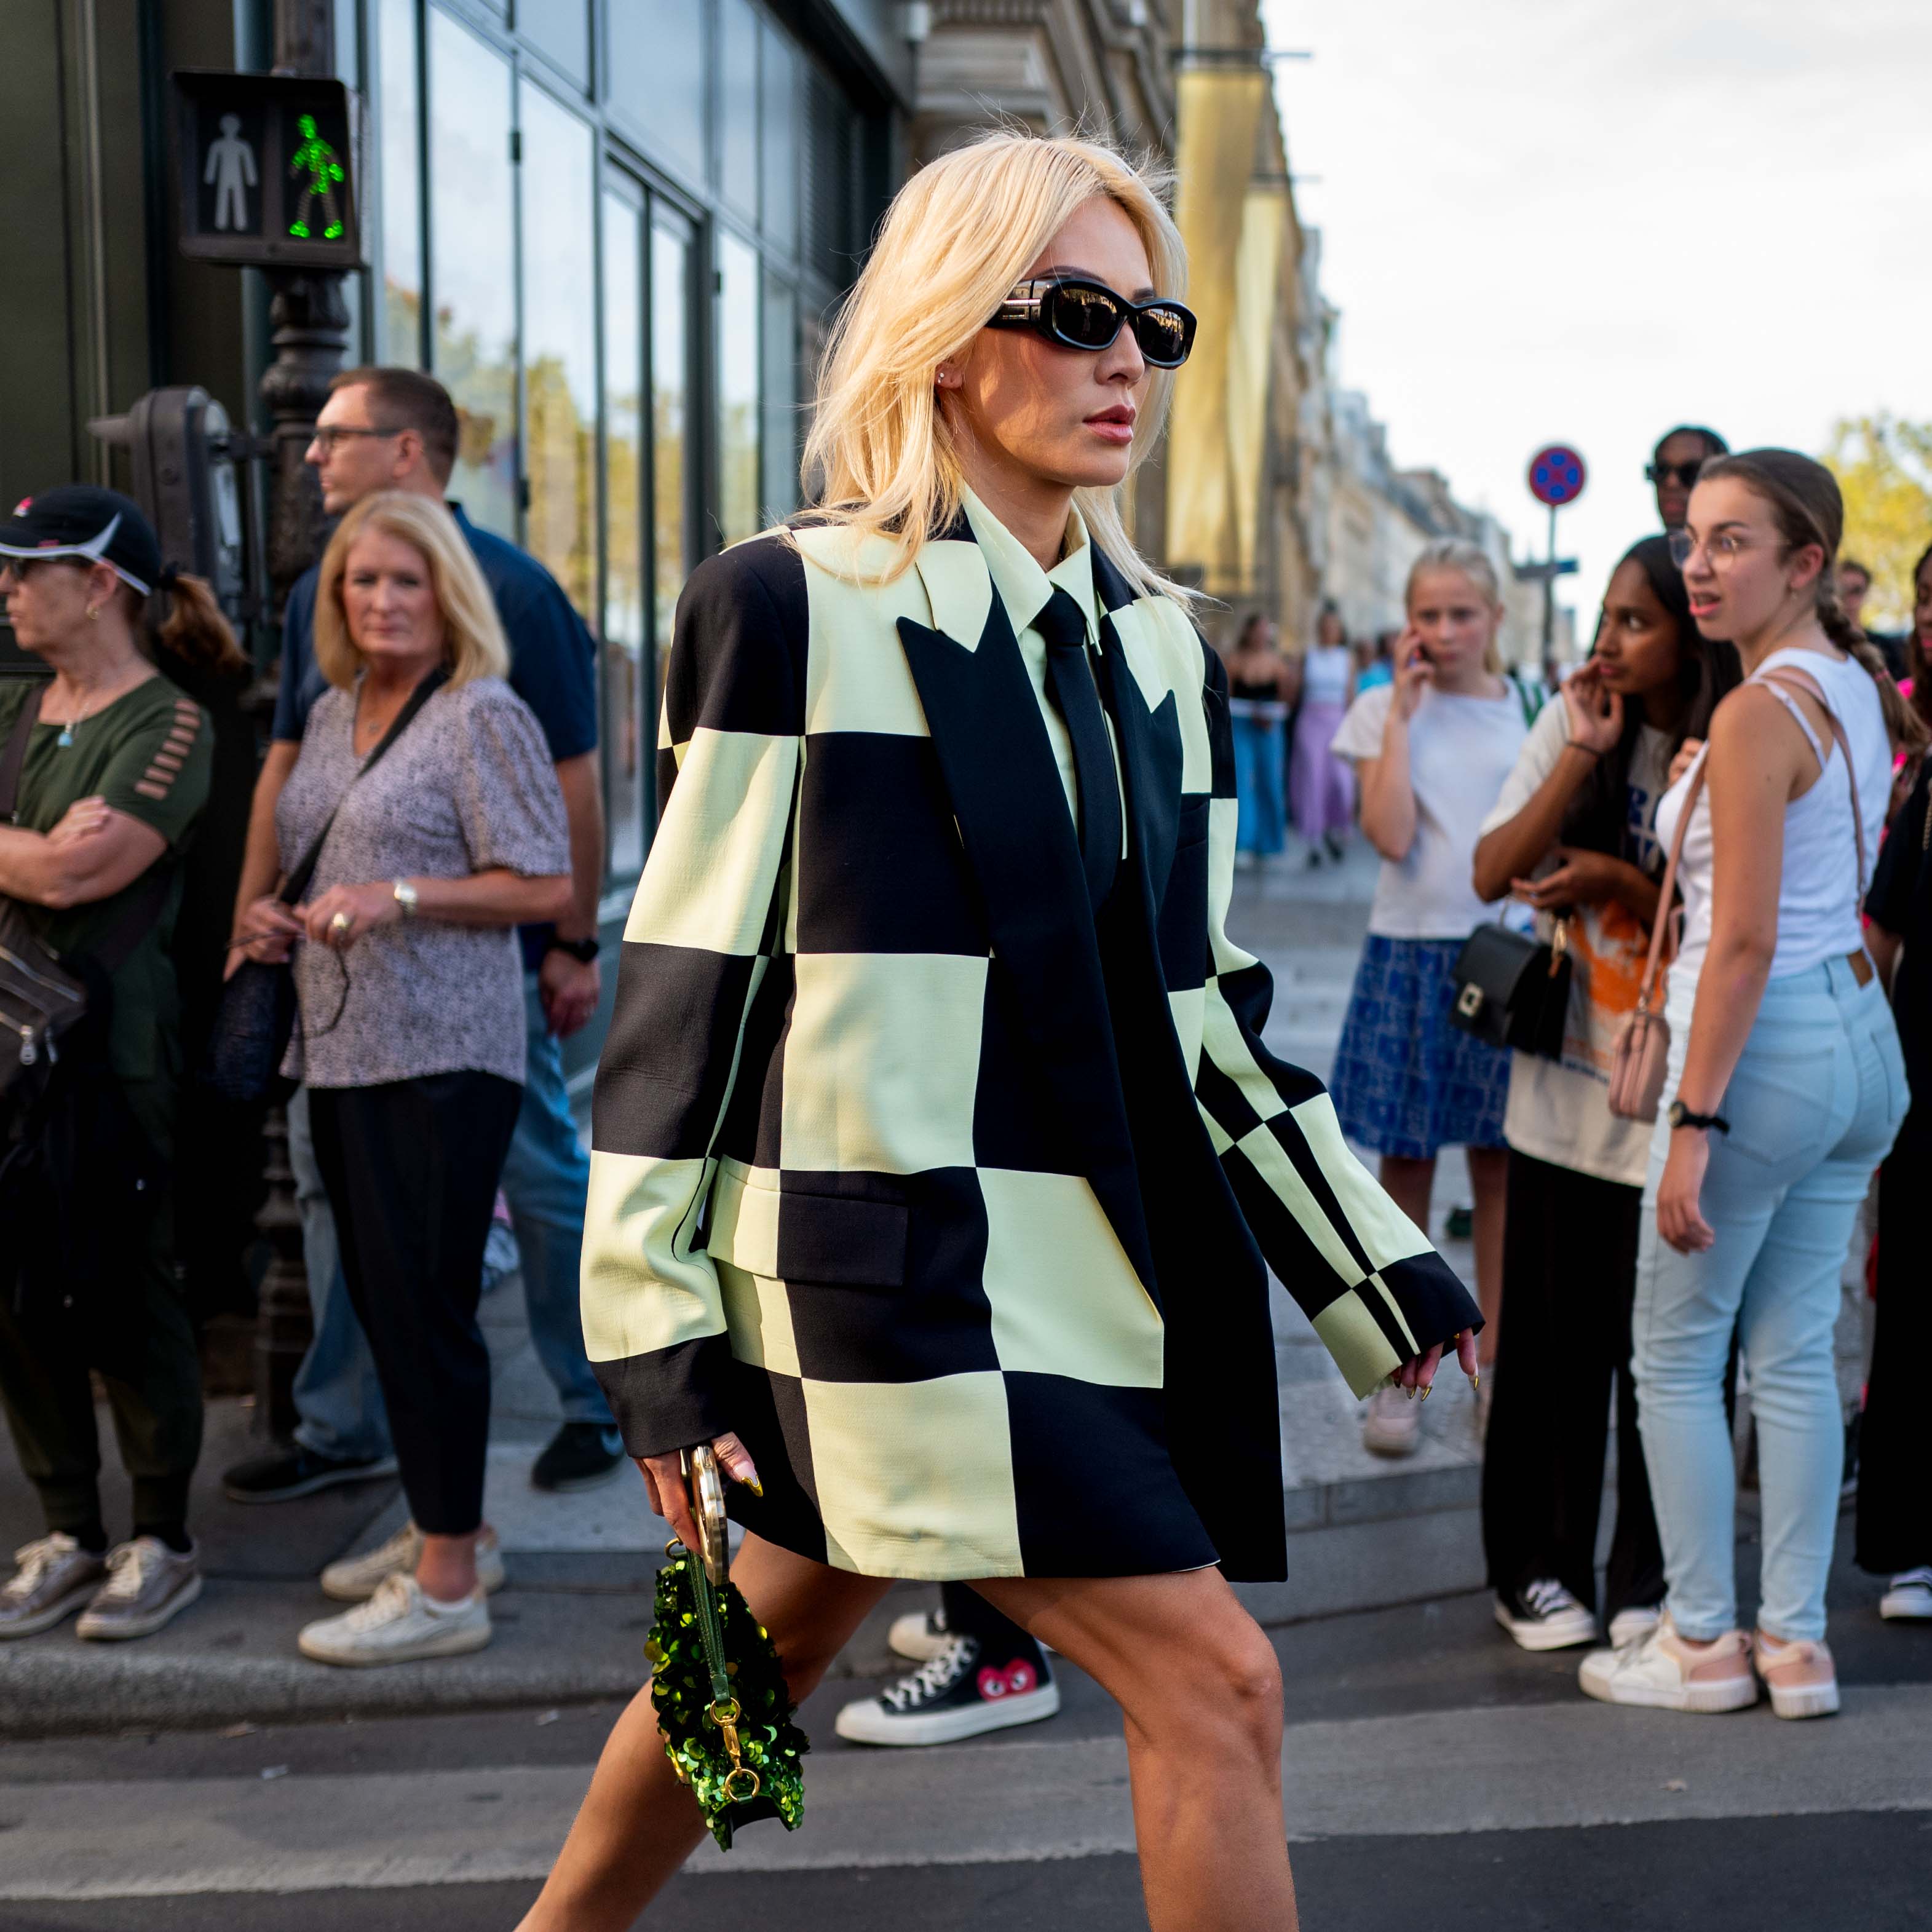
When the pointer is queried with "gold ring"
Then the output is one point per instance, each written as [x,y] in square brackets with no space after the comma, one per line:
[341,922]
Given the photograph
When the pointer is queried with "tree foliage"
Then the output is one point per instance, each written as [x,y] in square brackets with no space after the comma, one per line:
[1883,464]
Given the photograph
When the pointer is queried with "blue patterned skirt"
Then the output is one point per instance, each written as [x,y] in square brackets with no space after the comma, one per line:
[1407,1082]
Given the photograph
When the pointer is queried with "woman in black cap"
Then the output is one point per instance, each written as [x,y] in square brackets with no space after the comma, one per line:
[109,763]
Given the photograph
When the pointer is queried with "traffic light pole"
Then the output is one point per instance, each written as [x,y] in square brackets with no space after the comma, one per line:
[309,319]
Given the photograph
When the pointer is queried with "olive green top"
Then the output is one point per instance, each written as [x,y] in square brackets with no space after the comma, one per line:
[147,754]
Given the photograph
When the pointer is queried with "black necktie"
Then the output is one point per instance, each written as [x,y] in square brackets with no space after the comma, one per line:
[1070,682]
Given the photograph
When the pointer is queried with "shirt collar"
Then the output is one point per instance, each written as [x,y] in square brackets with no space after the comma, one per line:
[1025,588]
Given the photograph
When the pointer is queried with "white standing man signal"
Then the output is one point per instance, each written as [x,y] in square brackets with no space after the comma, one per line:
[231,167]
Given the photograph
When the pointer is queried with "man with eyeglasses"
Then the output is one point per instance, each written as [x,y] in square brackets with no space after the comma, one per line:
[396,429]
[1673,467]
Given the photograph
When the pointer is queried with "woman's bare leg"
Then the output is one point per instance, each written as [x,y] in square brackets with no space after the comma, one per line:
[1408,1184]
[1200,1687]
[1489,1185]
[638,1824]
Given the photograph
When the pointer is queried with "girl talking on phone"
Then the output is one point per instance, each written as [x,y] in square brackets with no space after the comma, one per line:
[1432,751]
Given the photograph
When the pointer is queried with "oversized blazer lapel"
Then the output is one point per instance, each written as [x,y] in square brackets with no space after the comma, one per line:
[1149,742]
[998,763]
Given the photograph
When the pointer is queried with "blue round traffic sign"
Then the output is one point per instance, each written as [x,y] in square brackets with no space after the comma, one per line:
[1556,475]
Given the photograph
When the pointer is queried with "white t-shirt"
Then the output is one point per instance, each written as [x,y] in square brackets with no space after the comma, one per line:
[1325,673]
[1460,752]
[1559,1110]
[1818,891]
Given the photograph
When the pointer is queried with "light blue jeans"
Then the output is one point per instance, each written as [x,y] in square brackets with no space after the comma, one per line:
[1814,1106]
[545,1178]
[1259,779]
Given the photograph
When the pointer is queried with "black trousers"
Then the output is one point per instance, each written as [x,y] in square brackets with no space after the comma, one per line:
[1895,1520]
[1569,1278]
[152,1376]
[411,1167]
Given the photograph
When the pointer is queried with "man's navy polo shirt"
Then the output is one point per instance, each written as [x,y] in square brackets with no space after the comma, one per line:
[553,661]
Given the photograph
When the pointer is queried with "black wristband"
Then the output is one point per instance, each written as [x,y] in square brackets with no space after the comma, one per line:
[1681,1116]
[584,951]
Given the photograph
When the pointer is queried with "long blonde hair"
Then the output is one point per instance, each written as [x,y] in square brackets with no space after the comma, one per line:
[957,238]
[473,643]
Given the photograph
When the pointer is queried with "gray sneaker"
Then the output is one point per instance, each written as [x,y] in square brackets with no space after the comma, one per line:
[56,1577]
[148,1585]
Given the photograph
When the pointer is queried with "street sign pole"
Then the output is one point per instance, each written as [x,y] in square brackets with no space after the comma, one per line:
[1556,477]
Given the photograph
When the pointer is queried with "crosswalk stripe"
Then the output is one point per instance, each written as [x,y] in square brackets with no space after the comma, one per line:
[1565,1765]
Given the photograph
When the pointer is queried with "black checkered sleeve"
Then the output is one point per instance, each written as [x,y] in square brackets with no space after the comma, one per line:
[1364,1274]
[702,934]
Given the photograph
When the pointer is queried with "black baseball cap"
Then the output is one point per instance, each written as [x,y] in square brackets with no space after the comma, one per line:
[91,525]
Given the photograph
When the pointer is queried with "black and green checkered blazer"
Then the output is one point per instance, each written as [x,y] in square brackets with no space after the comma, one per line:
[953,1204]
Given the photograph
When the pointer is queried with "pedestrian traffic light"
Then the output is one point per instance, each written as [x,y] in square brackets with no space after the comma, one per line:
[269,169]
[183,459]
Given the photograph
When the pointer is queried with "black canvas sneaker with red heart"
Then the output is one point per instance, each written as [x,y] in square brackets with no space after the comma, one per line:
[958,1693]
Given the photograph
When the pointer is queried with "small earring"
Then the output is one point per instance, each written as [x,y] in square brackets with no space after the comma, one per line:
[93,612]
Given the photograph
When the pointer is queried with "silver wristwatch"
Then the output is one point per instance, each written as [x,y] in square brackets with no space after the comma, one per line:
[406,898]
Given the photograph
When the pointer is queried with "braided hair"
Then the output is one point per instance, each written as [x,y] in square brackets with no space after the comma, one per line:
[1808,508]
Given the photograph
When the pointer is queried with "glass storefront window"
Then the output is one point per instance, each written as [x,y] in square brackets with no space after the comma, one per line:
[561,29]
[671,454]
[781,437]
[627,740]
[473,265]
[399,141]
[657,75]
[738,105]
[778,118]
[560,345]
[740,485]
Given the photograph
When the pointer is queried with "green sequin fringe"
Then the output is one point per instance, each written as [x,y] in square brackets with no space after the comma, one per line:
[769,1741]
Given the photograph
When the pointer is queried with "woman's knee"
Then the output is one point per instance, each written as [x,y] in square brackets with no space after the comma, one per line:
[1220,1691]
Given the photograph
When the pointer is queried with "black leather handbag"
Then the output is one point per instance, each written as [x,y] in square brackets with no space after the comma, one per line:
[256,1018]
[1514,991]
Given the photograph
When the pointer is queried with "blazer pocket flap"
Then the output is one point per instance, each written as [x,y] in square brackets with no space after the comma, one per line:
[841,1240]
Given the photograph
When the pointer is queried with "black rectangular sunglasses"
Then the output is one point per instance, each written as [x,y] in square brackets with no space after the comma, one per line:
[1080,314]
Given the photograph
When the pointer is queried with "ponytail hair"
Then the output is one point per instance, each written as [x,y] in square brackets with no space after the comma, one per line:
[1808,508]
[197,630]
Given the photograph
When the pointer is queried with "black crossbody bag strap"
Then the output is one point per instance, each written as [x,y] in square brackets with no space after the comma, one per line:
[297,882]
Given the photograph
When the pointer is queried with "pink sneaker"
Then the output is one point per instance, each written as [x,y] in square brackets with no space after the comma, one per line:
[1662,1670]
[1800,1675]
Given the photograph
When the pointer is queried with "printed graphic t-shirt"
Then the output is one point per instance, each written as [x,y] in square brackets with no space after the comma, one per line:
[1559,1110]
[1460,752]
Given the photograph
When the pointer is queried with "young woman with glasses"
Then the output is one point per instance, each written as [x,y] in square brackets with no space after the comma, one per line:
[1785,1089]
[934,1094]
[411,1040]
[1574,835]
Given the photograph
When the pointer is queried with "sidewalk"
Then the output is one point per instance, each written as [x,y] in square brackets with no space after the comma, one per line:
[571,1624]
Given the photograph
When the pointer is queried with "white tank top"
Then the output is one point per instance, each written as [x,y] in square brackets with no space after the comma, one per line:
[1820,889]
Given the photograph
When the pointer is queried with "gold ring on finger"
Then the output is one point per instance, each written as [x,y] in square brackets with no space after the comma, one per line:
[341,922]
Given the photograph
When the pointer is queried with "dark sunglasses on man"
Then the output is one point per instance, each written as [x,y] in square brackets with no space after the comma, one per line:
[1683,474]
[1080,314]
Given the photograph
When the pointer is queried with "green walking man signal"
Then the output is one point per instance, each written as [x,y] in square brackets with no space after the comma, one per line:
[314,157]
[267,166]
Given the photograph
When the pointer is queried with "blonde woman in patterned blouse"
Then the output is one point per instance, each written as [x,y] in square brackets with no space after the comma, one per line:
[411,1040]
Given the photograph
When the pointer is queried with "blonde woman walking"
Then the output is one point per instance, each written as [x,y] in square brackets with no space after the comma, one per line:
[969,1098]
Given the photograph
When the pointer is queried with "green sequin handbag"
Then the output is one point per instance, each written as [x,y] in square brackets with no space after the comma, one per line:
[724,1711]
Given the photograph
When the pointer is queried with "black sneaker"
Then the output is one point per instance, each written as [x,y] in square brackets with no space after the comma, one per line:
[1545,1616]
[955,1696]
[580,1455]
[920,1635]
[286,1474]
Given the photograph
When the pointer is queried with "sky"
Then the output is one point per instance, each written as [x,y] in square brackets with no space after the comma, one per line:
[1586,220]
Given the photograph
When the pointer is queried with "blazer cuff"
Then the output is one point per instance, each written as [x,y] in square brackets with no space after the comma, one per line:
[670,1398]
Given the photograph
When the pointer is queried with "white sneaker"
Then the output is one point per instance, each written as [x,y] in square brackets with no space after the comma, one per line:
[148,1585]
[1545,1617]
[1633,1624]
[1910,1596]
[1664,1673]
[56,1576]
[1393,1424]
[920,1635]
[1800,1675]
[355,1579]
[398,1624]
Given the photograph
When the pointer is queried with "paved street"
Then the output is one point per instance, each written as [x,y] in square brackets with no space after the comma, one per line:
[1432,1772]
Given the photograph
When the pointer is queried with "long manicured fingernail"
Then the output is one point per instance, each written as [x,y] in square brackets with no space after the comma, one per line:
[1475,1378]
[1426,1387]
